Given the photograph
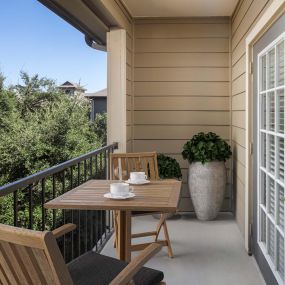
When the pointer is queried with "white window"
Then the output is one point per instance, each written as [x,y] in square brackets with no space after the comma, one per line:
[270,163]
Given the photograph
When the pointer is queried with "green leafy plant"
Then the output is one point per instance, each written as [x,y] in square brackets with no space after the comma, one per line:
[100,128]
[168,167]
[205,148]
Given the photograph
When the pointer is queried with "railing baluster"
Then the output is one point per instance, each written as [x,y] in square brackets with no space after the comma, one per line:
[105,164]
[72,236]
[109,221]
[101,227]
[101,164]
[85,171]
[53,196]
[15,202]
[30,207]
[78,174]
[96,166]
[96,228]
[108,165]
[91,228]
[43,202]
[79,234]
[63,213]
[86,227]
[91,167]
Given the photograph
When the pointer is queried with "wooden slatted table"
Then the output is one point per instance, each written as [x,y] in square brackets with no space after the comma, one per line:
[157,196]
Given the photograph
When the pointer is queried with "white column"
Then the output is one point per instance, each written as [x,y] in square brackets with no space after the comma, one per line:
[116,86]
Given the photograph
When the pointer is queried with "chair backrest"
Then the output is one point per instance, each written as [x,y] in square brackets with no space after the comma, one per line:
[123,163]
[31,258]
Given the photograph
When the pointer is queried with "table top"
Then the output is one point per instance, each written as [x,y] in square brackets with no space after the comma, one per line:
[160,195]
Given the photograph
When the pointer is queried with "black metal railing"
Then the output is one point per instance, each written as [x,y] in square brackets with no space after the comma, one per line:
[22,202]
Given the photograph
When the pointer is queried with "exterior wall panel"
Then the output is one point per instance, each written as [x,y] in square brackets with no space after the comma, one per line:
[181,86]
[243,20]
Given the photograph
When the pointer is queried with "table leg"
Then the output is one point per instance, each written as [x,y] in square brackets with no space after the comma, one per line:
[124,236]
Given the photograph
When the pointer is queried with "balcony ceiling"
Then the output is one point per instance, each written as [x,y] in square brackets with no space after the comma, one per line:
[180,8]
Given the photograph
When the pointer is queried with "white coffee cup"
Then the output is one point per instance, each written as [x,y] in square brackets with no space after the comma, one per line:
[119,189]
[138,176]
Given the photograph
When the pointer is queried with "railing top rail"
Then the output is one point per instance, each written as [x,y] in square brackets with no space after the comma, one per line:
[26,181]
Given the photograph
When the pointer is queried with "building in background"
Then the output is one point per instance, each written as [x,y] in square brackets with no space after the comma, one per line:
[98,102]
[72,89]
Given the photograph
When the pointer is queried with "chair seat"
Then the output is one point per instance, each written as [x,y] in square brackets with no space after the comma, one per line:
[95,269]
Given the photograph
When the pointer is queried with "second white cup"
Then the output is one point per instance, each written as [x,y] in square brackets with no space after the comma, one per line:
[138,176]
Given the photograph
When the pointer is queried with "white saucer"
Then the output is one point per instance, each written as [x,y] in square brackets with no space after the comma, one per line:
[140,182]
[128,196]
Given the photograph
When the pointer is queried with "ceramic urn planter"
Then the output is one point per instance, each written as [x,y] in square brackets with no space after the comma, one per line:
[207,186]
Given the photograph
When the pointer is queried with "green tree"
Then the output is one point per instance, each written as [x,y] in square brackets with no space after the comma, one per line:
[39,127]
[100,127]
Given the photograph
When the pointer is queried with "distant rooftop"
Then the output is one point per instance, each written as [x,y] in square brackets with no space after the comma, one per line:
[71,85]
[101,93]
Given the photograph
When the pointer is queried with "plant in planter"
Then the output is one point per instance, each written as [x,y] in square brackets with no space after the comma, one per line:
[168,168]
[207,175]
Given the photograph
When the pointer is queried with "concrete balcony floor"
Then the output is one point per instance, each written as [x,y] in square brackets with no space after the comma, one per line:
[206,253]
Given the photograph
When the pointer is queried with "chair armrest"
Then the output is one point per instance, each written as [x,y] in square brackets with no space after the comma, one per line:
[126,275]
[63,230]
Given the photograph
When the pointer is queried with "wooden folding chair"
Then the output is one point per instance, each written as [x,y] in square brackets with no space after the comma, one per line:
[33,258]
[120,167]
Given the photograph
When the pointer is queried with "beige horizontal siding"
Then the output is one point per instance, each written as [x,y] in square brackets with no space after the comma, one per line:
[238,119]
[162,146]
[181,117]
[181,85]
[245,25]
[182,74]
[181,89]
[182,59]
[184,163]
[238,85]
[198,103]
[182,45]
[175,21]
[238,68]
[245,16]
[129,102]
[238,101]
[185,30]
[241,12]
[238,135]
[176,132]
[239,153]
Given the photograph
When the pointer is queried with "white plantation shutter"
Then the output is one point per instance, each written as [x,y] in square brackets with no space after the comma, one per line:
[271,240]
[271,153]
[271,69]
[280,57]
[280,257]
[280,98]
[271,172]
[281,159]
[271,197]
[271,96]
[280,214]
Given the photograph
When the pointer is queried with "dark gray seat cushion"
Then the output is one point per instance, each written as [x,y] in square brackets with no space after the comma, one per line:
[95,269]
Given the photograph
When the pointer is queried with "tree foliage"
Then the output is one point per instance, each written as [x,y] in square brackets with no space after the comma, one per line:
[100,127]
[40,127]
